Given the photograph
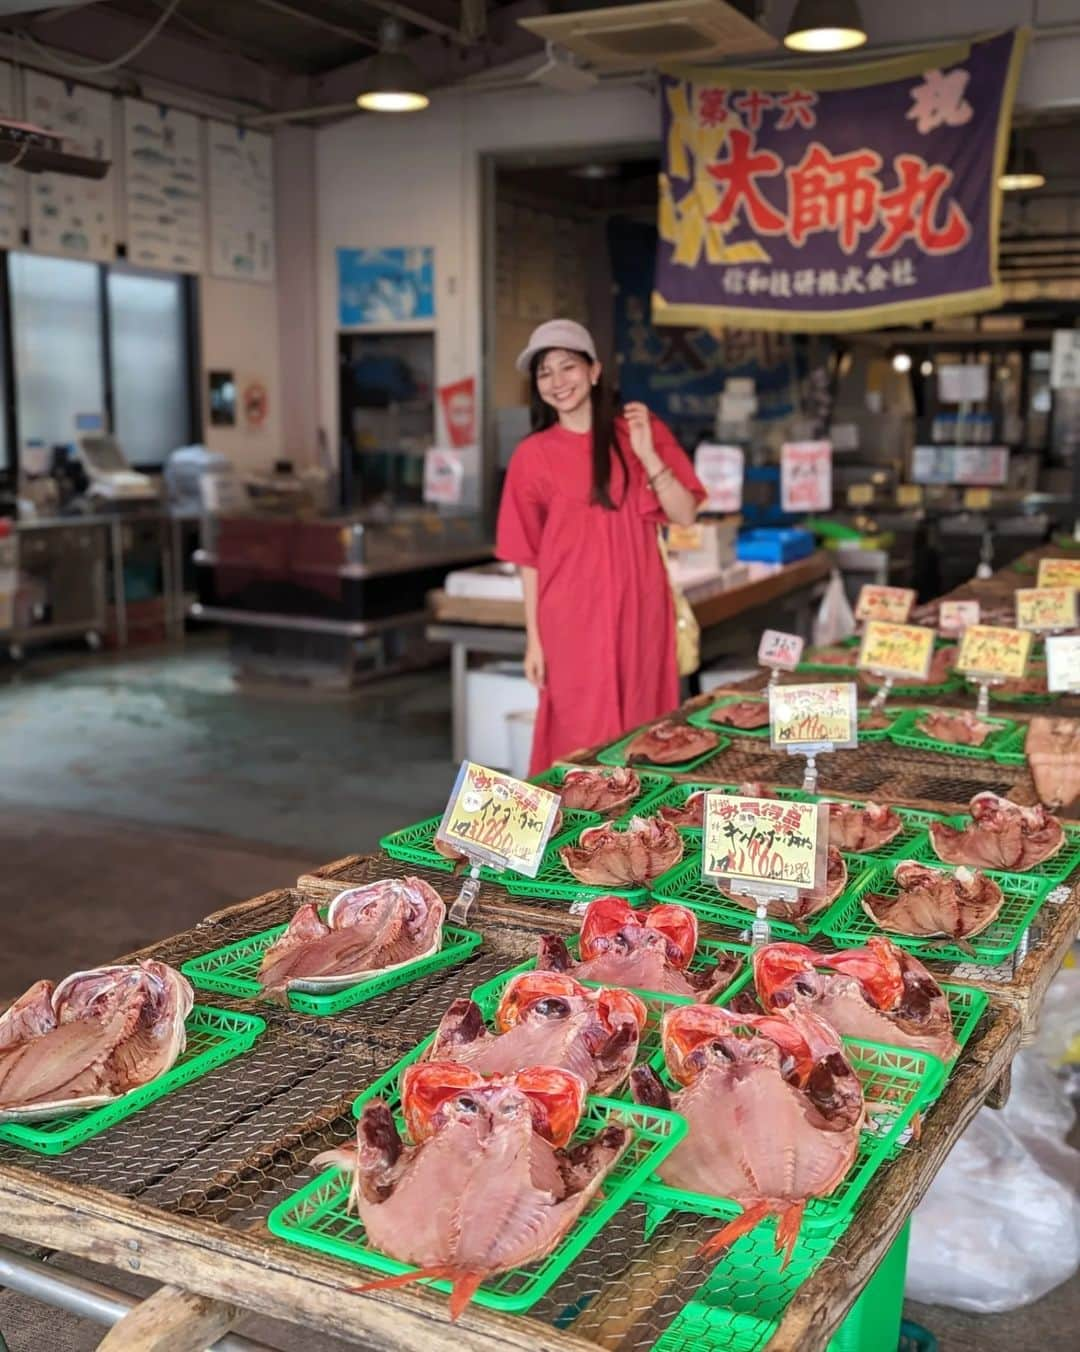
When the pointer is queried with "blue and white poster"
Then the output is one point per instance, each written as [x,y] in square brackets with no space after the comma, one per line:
[385,286]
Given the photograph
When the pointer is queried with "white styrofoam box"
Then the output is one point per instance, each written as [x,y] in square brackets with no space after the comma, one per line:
[491,693]
[519,729]
[491,581]
[725,675]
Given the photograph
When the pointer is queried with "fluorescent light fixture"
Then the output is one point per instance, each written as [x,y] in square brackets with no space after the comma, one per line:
[1022,172]
[392,83]
[901,362]
[594,171]
[825,26]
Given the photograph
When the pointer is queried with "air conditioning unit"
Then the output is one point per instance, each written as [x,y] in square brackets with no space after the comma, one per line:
[634,37]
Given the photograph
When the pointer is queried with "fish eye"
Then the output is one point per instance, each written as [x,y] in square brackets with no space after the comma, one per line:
[721,1048]
[804,985]
[552,1007]
[468,1105]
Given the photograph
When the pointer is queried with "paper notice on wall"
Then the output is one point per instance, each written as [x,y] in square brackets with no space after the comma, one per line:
[459,411]
[241,164]
[1065,360]
[68,215]
[720,469]
[444,475]
[163,182]
[806,476]
[966,383]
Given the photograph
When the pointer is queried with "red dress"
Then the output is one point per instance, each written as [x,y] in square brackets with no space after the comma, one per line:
[605,612]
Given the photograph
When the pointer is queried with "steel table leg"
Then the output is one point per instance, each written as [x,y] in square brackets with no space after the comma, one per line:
[116,541]
[459,666]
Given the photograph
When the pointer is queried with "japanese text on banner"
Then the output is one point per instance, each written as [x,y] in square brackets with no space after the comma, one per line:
[996,653]
[763,840]
[498,819]
[897,649]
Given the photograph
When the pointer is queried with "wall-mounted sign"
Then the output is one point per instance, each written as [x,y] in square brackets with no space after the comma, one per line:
[986,466]
[806,476]
[385,286]
[720,469]
[459,411]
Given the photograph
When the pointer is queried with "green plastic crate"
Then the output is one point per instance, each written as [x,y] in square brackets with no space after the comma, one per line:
[878,734]
[555,881]
[616,755]
[316,1216]
[685,884]
[701,717]
[905,733]
[416,844]
[906,845]
[998,696]
[233,970]
[653,783]
[897,1083]
[1051,871]
[849,925]
[214,1036]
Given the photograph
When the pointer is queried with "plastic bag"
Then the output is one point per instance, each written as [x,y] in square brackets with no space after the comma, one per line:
[835,619]
[1000,1225]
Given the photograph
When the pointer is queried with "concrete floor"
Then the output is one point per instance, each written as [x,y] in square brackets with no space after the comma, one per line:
[138,794]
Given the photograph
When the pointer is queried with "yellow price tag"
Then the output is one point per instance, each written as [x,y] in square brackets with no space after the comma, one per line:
[807,715]
[994,652]
[685,538]
[884,603]
[1041,608]
[1059,572]
[499,820]
[860,495]
[764,840]
[909,495]
[897,650]
[977,499]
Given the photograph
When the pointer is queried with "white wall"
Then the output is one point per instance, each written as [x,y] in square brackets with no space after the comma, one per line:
[239,324]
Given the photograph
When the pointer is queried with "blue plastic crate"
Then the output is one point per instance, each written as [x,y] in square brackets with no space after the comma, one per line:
[774,545]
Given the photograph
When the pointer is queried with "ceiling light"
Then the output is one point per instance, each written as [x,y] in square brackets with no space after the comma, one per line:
[927,368]
[901,362]
[825,26]
[1022,172]
[594,171]
[392,83]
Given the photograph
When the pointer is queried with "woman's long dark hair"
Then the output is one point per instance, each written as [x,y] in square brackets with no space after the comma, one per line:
[605,409]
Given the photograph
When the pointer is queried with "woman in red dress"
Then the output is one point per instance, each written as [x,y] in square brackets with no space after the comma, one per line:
[579,514]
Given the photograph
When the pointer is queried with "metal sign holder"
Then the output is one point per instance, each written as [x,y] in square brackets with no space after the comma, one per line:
[982,704]
[763,893]
[884,690]
[470,889]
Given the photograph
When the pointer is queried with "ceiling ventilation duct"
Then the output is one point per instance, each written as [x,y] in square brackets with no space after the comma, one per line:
[634,37]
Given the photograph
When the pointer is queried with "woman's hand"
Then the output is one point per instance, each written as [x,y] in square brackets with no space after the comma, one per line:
[641,438]
[535,666]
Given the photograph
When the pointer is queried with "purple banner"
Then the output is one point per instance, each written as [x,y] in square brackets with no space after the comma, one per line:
[844,199]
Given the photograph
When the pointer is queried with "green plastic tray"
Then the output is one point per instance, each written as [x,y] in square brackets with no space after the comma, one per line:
[554,879]
[214,1036]
[684,884]
[897,1083]
[879,734]
[919,691]
[849,925]
[701,719]
[1051,871]
[998,696]
[416,844]
[316,1216]
[905,733]
[233,970]
[615,754]
[653,783]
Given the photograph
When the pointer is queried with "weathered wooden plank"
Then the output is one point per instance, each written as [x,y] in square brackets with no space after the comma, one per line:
[171,1320]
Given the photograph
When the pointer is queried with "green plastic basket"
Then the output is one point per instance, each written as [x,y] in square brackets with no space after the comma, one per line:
[878,734]
[616,754]
[897,1083]
[233,970]
[998,696]
[416,844]
[317,1216]
[555,881]
[214,1036]
[906,844]
[701,718]
[849,925]
[905,733]
[653,783]
[1051,871]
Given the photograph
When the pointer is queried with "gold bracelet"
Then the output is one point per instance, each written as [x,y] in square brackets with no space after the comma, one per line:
[666,469]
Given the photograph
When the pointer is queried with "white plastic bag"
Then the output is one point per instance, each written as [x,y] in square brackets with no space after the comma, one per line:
[835,619]
[1000,1225]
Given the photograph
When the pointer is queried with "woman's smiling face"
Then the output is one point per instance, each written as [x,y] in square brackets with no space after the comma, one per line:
[564,380]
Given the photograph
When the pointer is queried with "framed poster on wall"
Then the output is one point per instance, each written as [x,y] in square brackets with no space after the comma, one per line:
[385,286]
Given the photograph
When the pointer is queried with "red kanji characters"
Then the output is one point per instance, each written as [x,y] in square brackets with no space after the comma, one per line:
[712,107]
[737,174]
[833,193]
[910,211]
[798,109]
[753,104]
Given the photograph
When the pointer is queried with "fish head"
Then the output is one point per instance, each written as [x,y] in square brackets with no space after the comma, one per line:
[813,1059]
[878,968]
[611,925]
[553,995]
[784,973]
[679,928]
[695,1037]
[606,926]
[439,1094]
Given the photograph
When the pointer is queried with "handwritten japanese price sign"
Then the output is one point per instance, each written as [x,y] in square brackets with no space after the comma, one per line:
[994,653]
[884,603]
[721,469]
[806,476]
[801,716]
[1063,662]
[498,819]
[780,650]
[956,616]
[764,840]
[897,649]
[682,539]
[1059,572]
[1042,608]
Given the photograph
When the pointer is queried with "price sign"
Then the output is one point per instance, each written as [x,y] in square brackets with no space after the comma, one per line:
[1044,608]
[1059,573]
[685,538]
[860,495]
[806,476]
[764,840]
[1063,663]
[819,715]
[977,499]
[720,469]
[498,819]
[884,603]
[897,650]
[779,650]
[994,653]
[956,616]
[909,495]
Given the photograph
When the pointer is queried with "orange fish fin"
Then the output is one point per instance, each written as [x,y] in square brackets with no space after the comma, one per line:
[407,1278]
[787,1231]
[916,1127]
[741,1225]
[466,1285]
